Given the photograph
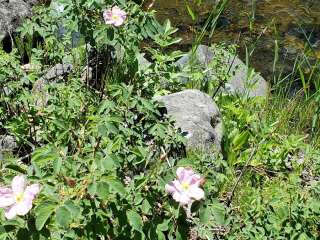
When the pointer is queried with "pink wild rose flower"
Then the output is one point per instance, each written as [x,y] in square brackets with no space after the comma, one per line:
[17,200]
[114,16]
[186,188]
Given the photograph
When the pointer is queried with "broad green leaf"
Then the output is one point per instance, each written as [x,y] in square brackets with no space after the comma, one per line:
[164,226]
[43,212]
[92,188]
[102,190]
[204,215]
[218,212]
[43,156]
[135,220]
[15,168]
[117,186]
[109,163]
[63,216]
[146,207]
[57,163]
[160,235]
[73,208]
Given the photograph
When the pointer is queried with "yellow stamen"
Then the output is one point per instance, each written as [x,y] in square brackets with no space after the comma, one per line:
[115,17]
[19,197]
[185,186]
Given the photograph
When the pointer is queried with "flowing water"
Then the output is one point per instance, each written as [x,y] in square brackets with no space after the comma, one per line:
[289,22]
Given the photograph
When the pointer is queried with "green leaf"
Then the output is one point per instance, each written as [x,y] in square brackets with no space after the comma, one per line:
[15,168]
[43,156]
[73,208]
[204,215]
[160,235]
[102,190]
[135,220]
[109,163]
[190,11]
[63,216]
[164,226]
[146,207]
[57,163]
[240,140]
[43,212]
[218,211]
[92,188]
[117,186]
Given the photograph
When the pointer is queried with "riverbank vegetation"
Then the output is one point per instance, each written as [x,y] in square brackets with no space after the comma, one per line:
[97,158]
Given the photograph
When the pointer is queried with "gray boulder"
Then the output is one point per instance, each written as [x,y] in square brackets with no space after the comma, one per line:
[240,82]
[198,116]
[11,14]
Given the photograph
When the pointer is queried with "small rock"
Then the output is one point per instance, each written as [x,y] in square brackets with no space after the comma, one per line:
[59,70]
[198,116]
[7,143]
[239,83]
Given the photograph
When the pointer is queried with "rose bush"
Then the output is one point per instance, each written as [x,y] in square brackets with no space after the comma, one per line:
[101,159]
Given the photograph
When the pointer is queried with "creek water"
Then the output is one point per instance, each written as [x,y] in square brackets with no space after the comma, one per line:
[290,22]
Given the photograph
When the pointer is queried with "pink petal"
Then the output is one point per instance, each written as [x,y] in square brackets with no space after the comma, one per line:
[117,11]
[23,207]
[184,173]
[170,188]
[5,190]
[177,185]
[182,198]
[109,21]
[107,14]
[32,191]
[174,186]
[196,192]
[10,213]
[18,184]
[197,180]
[118,22]
[6,198]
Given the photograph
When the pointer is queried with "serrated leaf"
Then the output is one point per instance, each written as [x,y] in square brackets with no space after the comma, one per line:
[102,190]
[73,208]
[43,212]
[63,216]
[146,207]
[57,163]
[135,220]
[204,215]
[117,186]
[164,226]
[92,189]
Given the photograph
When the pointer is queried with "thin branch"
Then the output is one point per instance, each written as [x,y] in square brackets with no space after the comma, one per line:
[230,197]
